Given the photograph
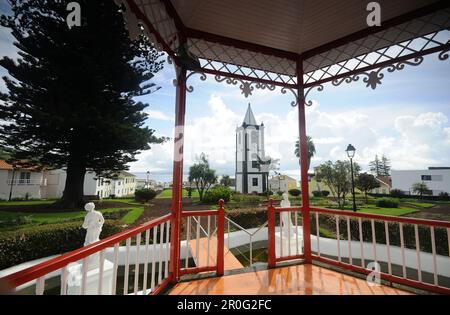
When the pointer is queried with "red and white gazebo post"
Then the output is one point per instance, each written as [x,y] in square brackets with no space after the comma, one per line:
[177,187]
[303,163]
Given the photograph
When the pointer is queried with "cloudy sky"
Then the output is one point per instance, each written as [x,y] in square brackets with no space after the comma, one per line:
[407,118]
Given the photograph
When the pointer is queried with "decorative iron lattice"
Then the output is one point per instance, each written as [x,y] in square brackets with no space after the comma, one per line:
[373,78]
[158,17]
[246,87]
[236,61]
[410,39]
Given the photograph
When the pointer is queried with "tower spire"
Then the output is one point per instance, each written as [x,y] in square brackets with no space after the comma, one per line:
[249,117]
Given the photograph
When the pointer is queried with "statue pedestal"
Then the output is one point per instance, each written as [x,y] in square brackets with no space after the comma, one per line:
[92,280]
[282,244]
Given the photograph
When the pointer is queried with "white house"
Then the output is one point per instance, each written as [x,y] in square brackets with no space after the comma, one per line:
[437,179]
[250,177]
[123,185]
[93,186]
[21,182]
[385,185]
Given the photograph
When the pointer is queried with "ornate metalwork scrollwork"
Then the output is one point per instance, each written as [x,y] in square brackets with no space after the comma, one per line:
[190,88]
[443,55]
[246,86]
[284,91]
[306,92]
[373,78]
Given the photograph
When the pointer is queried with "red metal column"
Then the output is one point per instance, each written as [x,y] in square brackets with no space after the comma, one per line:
[271,229]
[220,239]
[303,164]
[180,110]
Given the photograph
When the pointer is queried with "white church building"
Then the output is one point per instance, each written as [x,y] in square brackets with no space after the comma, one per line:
[250,176]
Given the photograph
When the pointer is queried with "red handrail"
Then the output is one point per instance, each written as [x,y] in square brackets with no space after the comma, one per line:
[435,223]
[220,219]
[39,270]
[199,213]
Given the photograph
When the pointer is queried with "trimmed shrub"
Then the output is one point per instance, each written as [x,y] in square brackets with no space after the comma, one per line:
[397,193]
[295,192]
[144,195]
[213,195]
[325,193]
[41,241]
[242,198]
[387,203]
[322,193]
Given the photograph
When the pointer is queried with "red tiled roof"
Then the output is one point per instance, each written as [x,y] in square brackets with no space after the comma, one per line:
[4,165]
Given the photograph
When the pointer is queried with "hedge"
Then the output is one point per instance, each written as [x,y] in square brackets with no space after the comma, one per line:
[295,192]
[213,195]
[329,223]
[40,241]
[144,195]
[387,203]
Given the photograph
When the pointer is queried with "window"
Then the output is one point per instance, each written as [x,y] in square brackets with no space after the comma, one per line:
[426,177]
[255,182]
[24,178]
[254,164]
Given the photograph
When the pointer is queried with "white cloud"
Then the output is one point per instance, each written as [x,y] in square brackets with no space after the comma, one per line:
[155,114]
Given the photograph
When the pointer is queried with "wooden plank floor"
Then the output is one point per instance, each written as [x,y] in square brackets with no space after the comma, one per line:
[230,261]
[300,279]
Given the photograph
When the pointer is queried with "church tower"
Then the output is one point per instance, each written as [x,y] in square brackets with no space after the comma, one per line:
[250,177]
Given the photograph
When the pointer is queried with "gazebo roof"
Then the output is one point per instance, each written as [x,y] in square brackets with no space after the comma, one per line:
[288,25]
[272,42]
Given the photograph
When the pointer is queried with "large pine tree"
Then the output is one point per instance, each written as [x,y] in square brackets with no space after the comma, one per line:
[70,101]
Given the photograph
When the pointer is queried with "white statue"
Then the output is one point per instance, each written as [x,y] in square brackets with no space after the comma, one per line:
[93,223]
[286,219]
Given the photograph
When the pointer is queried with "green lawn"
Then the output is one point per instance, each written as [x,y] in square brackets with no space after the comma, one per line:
[26,203]
[387,211]
[47,218]
[129,201]
[421,204]
[167,193]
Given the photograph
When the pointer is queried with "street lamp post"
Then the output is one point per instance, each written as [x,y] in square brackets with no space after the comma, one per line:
[351,153]
[148,182]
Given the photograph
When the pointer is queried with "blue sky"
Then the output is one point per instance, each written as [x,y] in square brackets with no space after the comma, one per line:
[407,118]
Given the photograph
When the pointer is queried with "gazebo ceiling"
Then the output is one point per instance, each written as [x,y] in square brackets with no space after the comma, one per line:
[271,42]
[288,25]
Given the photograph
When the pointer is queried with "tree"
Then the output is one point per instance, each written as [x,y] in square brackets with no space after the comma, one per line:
[337,176]
[202,175]
[380,167]
[225,181]
[385,166]
[4,155]
[375,166]
[366,182]
[420,189]
[71,93]
[311,149]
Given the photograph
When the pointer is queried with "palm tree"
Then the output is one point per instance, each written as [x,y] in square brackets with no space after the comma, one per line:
[311,149]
